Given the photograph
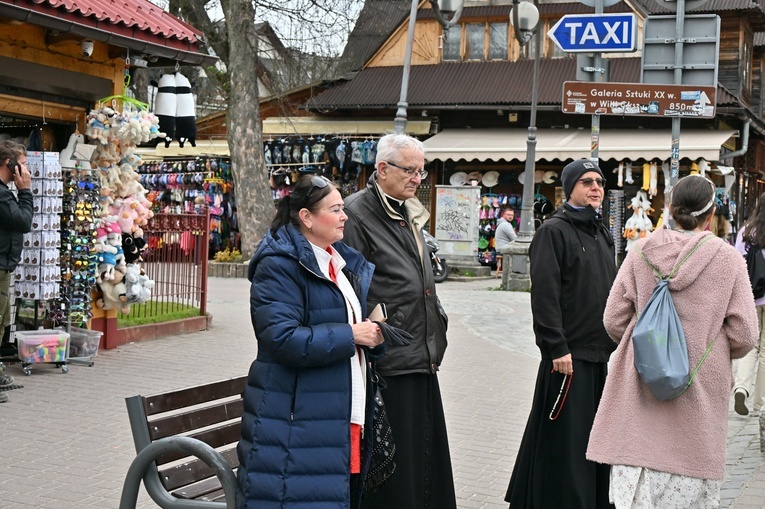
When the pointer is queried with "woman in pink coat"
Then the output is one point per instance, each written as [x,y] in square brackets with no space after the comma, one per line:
[671,454]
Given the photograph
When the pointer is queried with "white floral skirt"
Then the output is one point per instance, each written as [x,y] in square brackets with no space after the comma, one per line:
[643,488]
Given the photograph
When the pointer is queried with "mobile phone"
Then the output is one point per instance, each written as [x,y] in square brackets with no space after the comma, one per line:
[14,166]
[379,313]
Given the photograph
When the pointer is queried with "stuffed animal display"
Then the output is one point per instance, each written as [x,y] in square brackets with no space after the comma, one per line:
[176,110]
[124,206]
[639,224]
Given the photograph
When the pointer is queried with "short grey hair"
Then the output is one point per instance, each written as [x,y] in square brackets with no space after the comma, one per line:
[391,144]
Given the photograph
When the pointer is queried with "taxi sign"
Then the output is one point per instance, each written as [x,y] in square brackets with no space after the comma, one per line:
[595,33]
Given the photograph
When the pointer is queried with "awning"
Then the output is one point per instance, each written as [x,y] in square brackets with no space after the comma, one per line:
[203,148]
[562,144]
[334,125]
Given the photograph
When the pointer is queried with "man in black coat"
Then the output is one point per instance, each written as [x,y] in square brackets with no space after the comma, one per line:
[572,270]
[15,221]
[384,223]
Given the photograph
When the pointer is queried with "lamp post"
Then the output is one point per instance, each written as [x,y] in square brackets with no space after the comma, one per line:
[525,18]
[455,6]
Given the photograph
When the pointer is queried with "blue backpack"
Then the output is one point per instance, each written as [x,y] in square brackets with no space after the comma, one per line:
[658,340]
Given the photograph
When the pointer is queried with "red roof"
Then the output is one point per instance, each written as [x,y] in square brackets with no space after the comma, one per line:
[136,14]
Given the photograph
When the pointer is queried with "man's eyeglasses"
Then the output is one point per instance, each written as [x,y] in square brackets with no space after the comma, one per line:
[588,182]
[410,172]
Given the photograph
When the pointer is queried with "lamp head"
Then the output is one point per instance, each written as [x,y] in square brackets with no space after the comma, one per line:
[524,17]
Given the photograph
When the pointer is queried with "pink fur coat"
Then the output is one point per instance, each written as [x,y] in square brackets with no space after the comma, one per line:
[712,295]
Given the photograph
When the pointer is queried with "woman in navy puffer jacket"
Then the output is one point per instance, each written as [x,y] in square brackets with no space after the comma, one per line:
[309,392]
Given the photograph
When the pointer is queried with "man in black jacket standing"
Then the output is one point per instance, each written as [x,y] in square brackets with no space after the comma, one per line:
[572,270]
[15,221]
[384,223]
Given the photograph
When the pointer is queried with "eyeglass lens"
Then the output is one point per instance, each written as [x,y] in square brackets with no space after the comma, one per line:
[588,182]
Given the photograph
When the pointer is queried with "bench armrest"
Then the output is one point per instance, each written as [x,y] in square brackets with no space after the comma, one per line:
[138,471]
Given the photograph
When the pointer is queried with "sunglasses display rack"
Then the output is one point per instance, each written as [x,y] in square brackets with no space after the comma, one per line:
[616,209]
[80,219]
[194,186]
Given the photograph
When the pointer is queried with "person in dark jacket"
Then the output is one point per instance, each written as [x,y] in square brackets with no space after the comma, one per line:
[572,270]
[385,223]
[15,221]
[309,392]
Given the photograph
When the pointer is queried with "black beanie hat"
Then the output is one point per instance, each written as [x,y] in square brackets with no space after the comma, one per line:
[574,171]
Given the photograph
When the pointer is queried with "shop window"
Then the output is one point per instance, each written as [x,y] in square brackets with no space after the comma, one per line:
[475,33]
[451,44]
[498,41]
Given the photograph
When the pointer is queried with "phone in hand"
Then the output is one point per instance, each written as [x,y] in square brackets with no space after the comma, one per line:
[379,313]
[14,166]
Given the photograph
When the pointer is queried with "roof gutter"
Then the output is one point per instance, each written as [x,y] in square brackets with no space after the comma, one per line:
[744,143]
[61,25]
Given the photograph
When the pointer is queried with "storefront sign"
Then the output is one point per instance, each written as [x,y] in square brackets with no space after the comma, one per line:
[639,99]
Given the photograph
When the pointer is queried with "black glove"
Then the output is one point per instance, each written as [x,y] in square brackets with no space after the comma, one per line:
[394,335]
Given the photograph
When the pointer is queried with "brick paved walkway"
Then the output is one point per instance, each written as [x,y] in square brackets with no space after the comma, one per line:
[66,442]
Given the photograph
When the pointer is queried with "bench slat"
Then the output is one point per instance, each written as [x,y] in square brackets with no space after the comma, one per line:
[182,398]
[220,436]
[195,419]
[209,489]
[179,476]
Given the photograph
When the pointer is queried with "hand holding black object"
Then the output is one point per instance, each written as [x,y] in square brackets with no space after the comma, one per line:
[394,335]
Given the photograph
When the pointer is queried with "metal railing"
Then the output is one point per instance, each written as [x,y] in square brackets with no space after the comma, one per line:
[176,260]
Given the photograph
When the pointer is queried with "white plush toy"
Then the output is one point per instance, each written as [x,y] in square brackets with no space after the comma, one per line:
[619,175]
[65,158]
[138,284]
[639,224]
[628,173]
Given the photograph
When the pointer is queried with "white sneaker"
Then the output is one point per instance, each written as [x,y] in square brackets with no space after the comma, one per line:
[739,402]
[3,397]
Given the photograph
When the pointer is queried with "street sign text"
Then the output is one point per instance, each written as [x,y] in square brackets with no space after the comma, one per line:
[595,33]
[639,99]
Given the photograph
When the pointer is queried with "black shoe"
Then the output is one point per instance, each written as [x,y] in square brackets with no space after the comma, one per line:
[8,350]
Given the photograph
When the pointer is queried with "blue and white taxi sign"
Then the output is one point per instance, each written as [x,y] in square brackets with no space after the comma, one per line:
[591,33]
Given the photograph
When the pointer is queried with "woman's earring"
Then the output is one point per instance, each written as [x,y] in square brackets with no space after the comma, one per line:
[310,230]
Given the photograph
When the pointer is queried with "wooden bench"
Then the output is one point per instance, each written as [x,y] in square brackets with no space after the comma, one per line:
[186,443]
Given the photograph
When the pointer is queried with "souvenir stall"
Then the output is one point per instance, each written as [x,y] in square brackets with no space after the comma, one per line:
[500,190]
[196,185]
[638,203]
[84,249]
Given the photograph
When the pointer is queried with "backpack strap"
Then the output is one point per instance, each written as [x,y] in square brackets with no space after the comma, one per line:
[679,264]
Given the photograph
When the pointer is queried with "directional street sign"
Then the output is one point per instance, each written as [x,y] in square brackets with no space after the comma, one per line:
[639,99]
[590,33]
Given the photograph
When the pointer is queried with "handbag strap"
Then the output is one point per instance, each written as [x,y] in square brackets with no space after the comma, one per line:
[679,264]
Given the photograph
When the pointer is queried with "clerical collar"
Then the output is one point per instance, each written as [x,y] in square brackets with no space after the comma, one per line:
[391,199]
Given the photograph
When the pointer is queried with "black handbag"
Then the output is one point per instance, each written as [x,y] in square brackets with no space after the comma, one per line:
[382,463]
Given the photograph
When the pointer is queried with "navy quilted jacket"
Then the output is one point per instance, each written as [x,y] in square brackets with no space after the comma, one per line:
[295,446]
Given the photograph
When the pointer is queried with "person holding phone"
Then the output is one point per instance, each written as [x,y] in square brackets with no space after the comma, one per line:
[307,426]
[15,221]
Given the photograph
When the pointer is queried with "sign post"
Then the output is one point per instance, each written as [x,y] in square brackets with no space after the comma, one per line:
[661,31]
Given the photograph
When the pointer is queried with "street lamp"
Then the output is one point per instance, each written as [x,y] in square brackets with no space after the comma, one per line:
[525,19]
[399,123]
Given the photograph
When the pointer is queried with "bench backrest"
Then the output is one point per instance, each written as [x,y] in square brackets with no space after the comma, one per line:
[210,413]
